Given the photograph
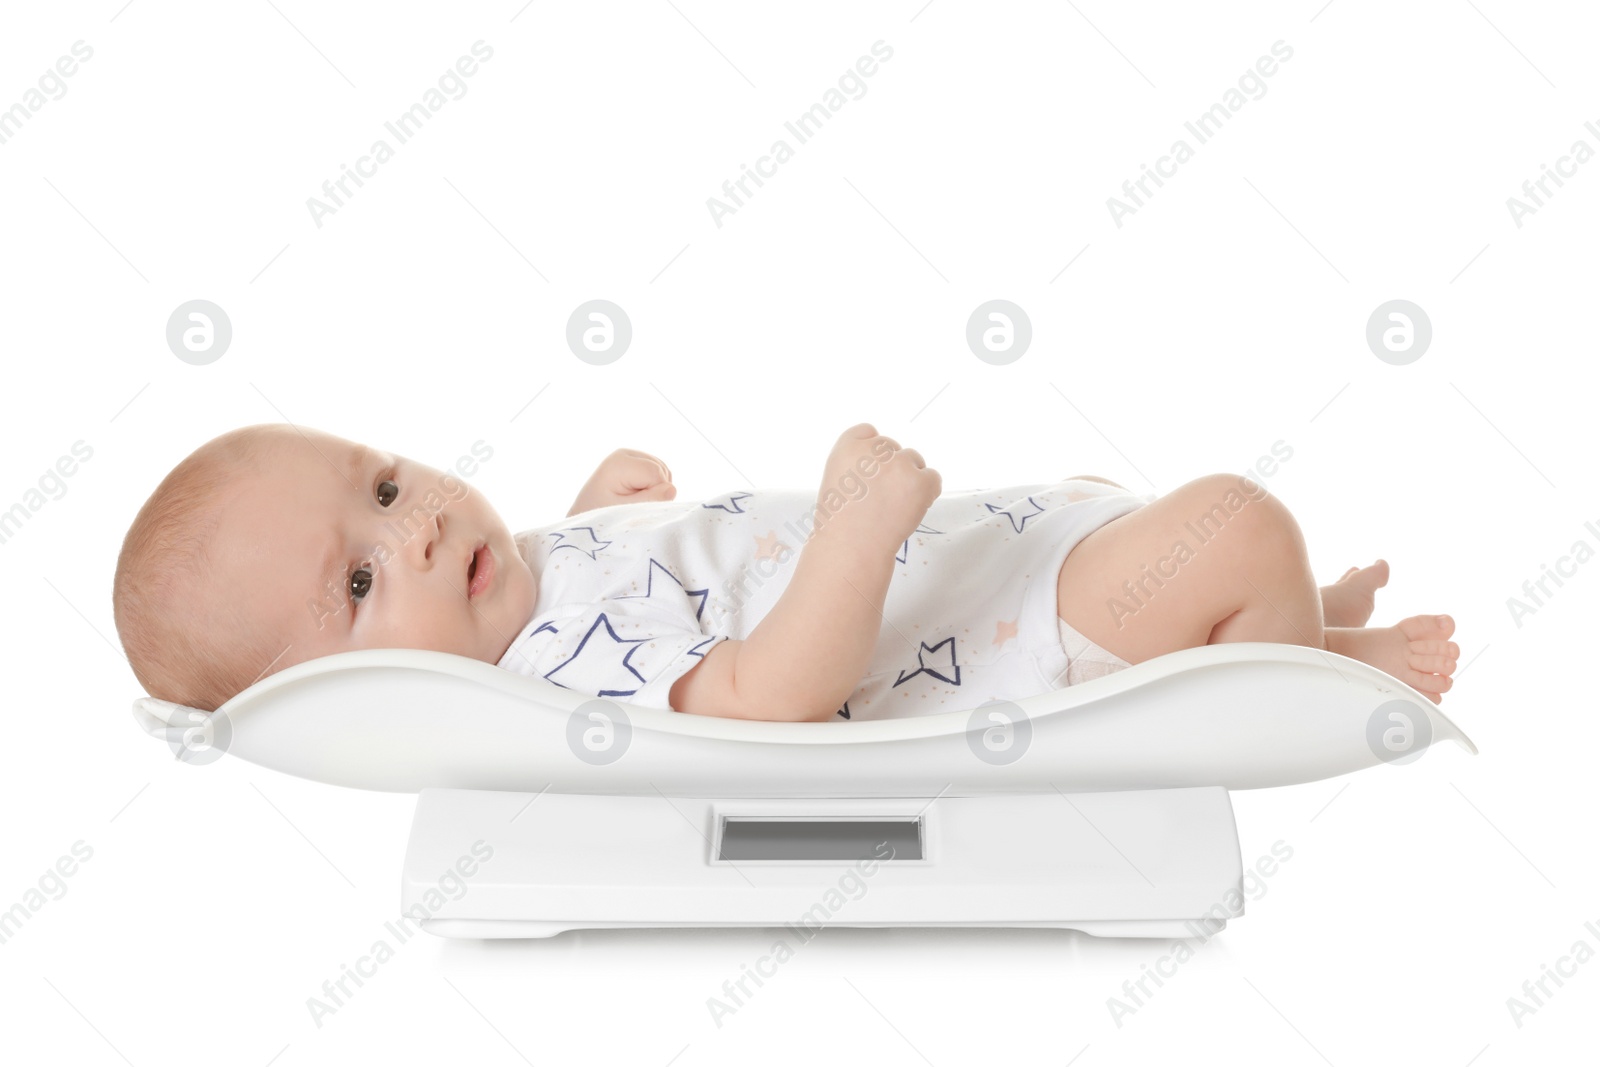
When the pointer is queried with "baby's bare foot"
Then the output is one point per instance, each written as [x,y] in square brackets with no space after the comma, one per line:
[1415,650]
[1350,600]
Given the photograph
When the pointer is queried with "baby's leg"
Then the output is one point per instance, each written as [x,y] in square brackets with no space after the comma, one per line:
[1347,602]
[1217,559]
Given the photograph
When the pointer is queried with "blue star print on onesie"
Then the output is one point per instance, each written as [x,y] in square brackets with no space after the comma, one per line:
[631,597]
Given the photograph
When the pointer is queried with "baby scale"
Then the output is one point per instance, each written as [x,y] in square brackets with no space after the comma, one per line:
[1102,807]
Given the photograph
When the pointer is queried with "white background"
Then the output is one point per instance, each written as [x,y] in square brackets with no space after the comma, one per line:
[1227,314]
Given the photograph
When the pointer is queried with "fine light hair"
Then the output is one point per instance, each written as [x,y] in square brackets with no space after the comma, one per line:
[183,638]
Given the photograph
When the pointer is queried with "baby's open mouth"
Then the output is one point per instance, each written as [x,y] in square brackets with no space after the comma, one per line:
[480,570]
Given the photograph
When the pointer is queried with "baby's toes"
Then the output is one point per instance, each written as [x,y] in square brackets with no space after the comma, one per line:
[1433,663]
[1427,627]
[1429,684]
[1433,657]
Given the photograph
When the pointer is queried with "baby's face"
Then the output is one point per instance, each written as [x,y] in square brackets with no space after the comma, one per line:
[337,547]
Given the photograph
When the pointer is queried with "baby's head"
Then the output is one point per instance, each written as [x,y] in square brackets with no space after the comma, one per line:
[273,544]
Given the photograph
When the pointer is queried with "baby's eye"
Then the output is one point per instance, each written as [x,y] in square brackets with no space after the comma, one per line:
[387,491]
[360,584]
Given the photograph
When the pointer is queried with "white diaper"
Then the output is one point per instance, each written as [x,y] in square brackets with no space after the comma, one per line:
[1085,659]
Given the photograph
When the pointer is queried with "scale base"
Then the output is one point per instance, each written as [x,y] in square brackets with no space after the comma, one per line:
[1136,863]
[488,929]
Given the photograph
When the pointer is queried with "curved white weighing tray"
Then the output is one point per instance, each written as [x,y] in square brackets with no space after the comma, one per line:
[1240,715]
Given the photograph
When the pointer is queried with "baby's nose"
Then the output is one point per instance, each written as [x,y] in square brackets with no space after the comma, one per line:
[427,537]
[435,537]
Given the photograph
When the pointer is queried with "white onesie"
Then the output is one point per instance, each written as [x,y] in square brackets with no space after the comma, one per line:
[632,596]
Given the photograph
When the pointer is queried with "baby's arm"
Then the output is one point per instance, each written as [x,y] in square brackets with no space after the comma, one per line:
[808,652]
[805,656]
[625,476]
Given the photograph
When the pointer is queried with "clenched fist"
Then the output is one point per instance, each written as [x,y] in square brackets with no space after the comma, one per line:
[625,476]
[873,491]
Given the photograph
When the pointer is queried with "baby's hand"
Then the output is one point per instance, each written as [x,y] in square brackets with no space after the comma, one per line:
[625,476]
[873,490]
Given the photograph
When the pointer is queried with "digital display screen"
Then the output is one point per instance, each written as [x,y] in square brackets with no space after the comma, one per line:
[844,840]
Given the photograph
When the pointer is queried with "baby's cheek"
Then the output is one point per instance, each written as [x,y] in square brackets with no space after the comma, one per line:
[441,633]
[414,629]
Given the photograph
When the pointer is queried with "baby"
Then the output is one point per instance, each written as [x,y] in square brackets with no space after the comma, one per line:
[874,597]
